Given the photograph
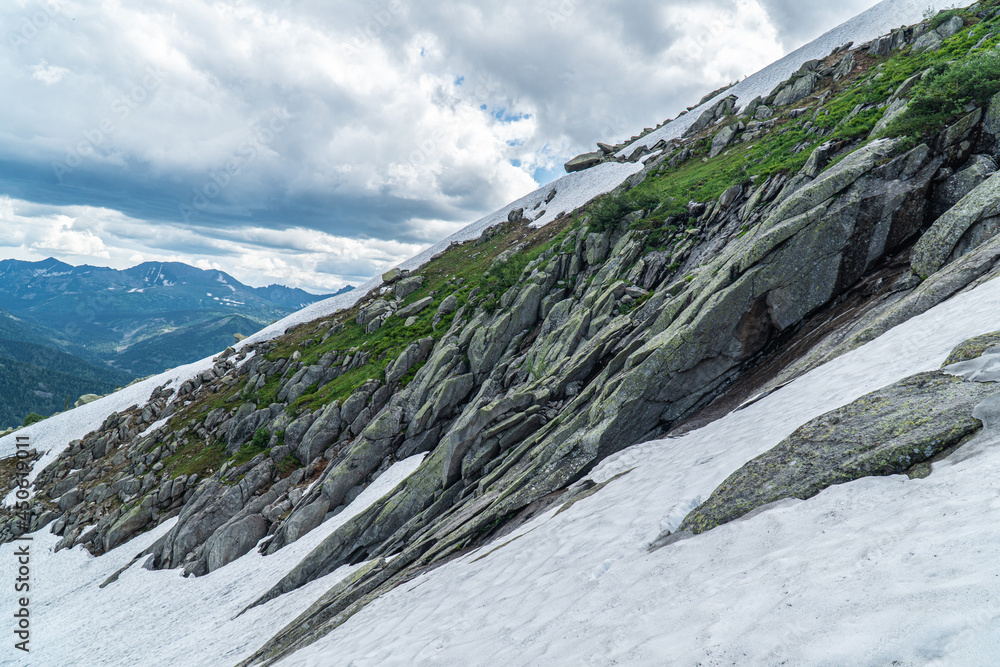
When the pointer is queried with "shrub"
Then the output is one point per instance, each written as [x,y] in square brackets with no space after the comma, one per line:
[942,17]
[257,445]
[32,418]
[946,92]
[611,208]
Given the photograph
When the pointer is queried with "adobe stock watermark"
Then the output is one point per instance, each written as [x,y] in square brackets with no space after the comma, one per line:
[261,136]
[22,545]
[33,23]
[122,108]
[365,36]
[560,11]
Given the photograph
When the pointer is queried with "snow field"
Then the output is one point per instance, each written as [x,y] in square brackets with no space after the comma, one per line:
[160,618]
[866,573]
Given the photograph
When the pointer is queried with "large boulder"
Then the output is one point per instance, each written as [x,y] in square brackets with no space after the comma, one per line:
[235,540]
[884,433]
[322,433]
[408,286]
[935,247]
[410,357]
[304,519]
[585,161]
[725,137]
[797,89]
[128,526]
[955,187]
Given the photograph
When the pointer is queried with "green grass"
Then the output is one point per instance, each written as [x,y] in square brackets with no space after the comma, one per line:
[257,445]
[459,271]
[196,458]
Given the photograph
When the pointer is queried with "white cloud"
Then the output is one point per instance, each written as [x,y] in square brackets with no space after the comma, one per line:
[57,235]
[399,121]
[48,74]
[254,255]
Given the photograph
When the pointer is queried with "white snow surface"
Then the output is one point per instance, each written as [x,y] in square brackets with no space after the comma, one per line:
[877,21]
[160,618]
[867,573]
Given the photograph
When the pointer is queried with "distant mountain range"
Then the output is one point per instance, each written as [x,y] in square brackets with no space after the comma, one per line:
[67,331]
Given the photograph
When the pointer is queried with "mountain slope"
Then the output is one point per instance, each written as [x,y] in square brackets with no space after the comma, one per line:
[441,467]
[114,317]
[41,379]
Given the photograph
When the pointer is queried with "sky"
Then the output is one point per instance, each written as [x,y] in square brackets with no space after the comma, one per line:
[315,143]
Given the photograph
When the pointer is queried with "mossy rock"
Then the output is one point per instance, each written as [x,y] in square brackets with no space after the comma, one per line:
[973,348]
[884,433]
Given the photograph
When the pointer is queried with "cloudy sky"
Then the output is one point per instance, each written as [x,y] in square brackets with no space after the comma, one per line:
[316,142]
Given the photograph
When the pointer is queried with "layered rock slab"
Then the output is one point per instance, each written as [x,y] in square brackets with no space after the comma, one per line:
[886,432]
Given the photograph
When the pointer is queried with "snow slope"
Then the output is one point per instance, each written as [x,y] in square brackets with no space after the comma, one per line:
[160,618]
[877,21]
[867,573]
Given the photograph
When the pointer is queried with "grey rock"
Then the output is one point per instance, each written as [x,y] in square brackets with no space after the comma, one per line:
[991,122]
[234,540]
[597,246]
[951,27]
[929,41]
[415,308]
[212,506]
[322,433]
[960,131]
[447,307]
[393,275]
[951,191]
[935,247]
[796,90]
[972,348]
[895,109]
[844,67]
[585,161]
[722,140]
[884,433]
[127,527]
[373,311]
[408,286]
[410,357]
[818,160]
[70,499]
[298,429]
